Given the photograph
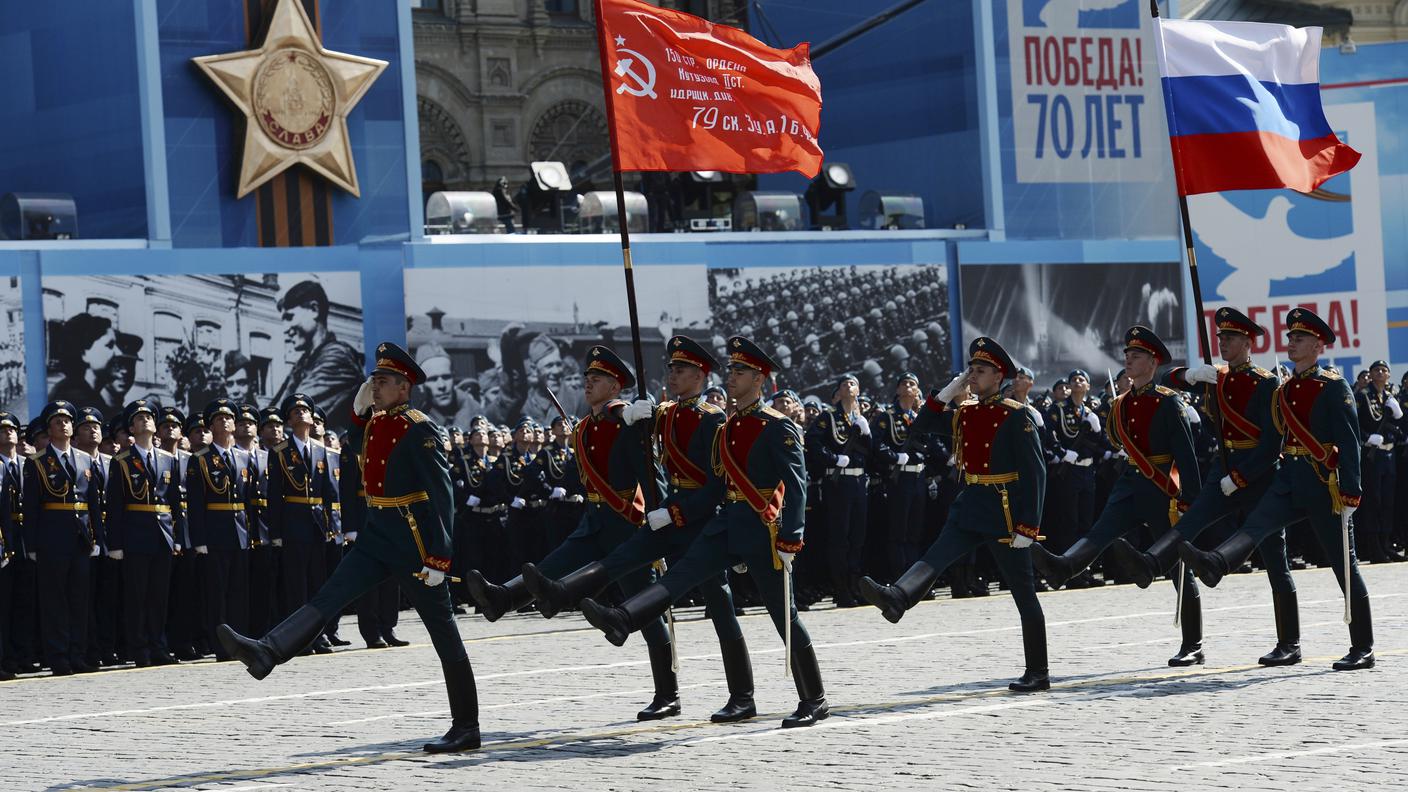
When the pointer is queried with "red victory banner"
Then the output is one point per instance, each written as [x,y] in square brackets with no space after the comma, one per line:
[684,94]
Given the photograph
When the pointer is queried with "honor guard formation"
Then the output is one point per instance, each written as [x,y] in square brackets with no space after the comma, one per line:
[154,538]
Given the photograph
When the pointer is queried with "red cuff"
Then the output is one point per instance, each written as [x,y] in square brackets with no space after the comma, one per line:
[676,515]
[1029,531]
[439,564]
[357,420]
[933,403]
[1238,479]
[789,547]
[1350,500]
[1184,506]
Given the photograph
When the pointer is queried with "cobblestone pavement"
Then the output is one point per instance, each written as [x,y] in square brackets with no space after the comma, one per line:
[919,705]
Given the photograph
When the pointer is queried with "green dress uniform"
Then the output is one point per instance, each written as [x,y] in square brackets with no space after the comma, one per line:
[1251,448]
[1161,481]
[998,449]
[761,476]
[405,531]
[611,459]
[685,431]
[1319,478]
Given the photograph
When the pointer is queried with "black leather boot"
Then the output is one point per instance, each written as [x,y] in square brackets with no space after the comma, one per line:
[619,623]
[464,710]
[1361,636]
[1287,651]
[738,670]
[1141,568]
[1212,567]
[1057,569]
[1191,652]
[1036,677]
[807,674]
[667,686]
[905,593]
[283,642]
[556,596]
[494,600]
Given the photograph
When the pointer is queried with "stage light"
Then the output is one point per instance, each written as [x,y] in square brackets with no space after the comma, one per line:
[891,211]
[705,200]
[38,216]
[545,199]
[826,195]
[599,216]
[767,211]
[461,213]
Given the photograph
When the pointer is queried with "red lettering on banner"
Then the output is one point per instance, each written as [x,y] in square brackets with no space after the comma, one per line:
[1087,61]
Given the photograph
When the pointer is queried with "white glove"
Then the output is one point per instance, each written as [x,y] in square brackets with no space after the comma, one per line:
[32,556]
[1393,407]
[1205,373]
[576,499]
[4,562]
[558,493]
[1192,413]
[954,387]
[1085,462]
[278,543]
[432,577]
[177,547]
[862,424]
[902,458]
[842,461]
[1092,420]
[1228,486]
[115,555]
[637,410]
[1375,440]
[1019,541]
[741,569]
[518,503]
[658,519]
[363,400]
[94,552]
[473,500]
[1069,456]
[202,550]
[1109,454]
[1122,454]
[350,537]
[786,559]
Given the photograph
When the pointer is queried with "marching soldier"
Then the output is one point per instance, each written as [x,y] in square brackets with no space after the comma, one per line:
[611,461]
[299,505]
[1148,423]
[1378,412]
[685,430]
[998,448]
[1318,480]
[1236,482]
[218,492]
[143,510]
[405,537]
[840,440]
[62,531]
[758,460]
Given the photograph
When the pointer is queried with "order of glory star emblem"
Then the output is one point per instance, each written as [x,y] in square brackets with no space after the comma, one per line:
[295,96]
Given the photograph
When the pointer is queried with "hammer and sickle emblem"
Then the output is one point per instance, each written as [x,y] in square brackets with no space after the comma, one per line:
[644,85]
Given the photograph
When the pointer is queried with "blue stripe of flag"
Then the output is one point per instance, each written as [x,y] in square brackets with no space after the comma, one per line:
[1225,104]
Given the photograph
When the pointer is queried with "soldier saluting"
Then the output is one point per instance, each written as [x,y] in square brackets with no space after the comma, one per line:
[406,536]
[999,451]
[1318,481]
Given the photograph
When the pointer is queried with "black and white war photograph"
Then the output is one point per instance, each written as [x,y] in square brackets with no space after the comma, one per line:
[876,322]
[493,342]
[1053,318]
[12,375]
[187,339]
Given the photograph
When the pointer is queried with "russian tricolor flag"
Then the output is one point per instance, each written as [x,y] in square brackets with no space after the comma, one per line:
[1243,102]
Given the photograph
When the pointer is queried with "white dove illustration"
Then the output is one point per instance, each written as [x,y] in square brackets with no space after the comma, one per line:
[1063,14]
[1261,250]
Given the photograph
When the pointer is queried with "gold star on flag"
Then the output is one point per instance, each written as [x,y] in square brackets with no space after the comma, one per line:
[295,96]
